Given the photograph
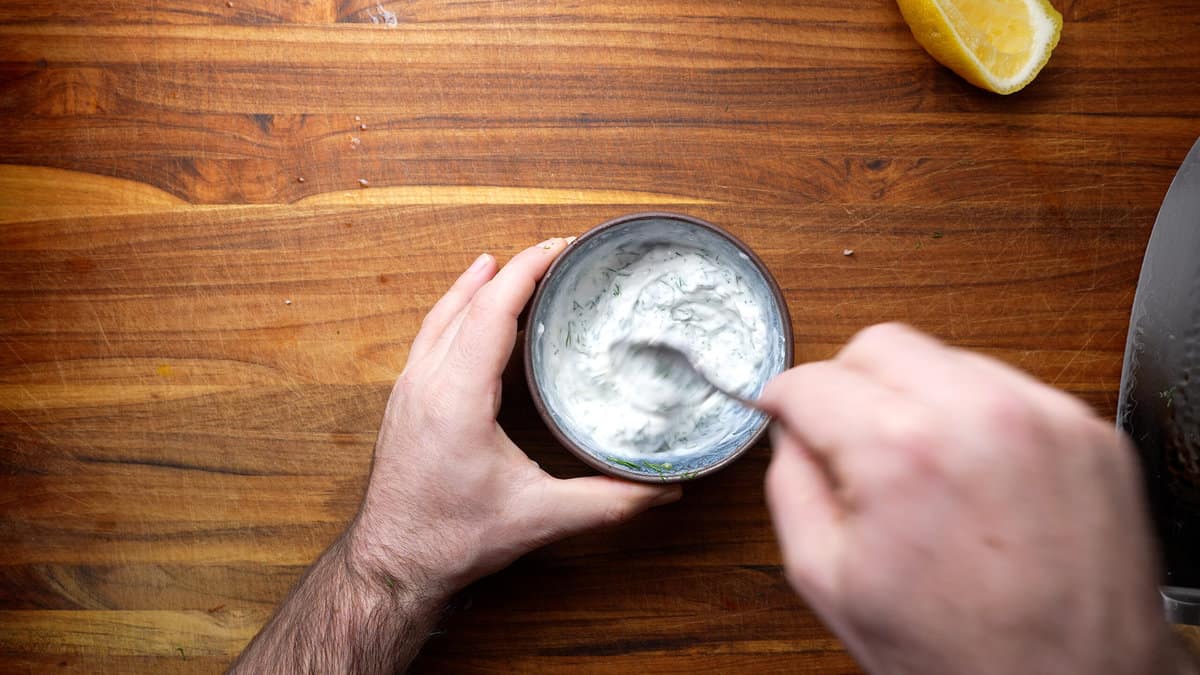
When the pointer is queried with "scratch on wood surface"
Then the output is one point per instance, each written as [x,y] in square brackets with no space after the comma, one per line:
[20,359]
[1064,315]
[29,425]
[100,327]
[858,222]
[1021,234]
[1072,359]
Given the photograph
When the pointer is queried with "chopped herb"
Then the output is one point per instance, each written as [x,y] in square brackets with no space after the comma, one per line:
[683,314]
[1168,395]
[621,462]
[938,234]
[181,654]
[655,467]
[619,272]
[616,290]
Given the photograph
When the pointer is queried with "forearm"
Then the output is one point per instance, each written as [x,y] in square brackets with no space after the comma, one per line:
[344,616]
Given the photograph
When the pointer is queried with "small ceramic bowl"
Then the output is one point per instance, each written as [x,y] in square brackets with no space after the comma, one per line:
[553,299]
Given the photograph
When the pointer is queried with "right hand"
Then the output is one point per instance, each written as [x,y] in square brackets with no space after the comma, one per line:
[945,513]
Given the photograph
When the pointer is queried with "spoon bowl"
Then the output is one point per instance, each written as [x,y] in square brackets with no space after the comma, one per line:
[673,367]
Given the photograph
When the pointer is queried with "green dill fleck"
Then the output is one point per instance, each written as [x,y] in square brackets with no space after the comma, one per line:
[618,272]
[391,583]
[938,234]
[655,467]
[1168,395]
[622,462]
[570,334]
[181,654]
[576,306]
[616,290]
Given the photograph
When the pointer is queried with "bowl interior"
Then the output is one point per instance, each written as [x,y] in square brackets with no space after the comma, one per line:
[549,333]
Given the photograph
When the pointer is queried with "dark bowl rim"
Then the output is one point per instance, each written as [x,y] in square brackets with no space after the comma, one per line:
[535,391]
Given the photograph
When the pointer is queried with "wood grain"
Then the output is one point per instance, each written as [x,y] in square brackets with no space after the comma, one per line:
[201,310]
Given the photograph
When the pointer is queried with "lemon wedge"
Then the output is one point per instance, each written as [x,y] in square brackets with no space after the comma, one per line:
[999,45]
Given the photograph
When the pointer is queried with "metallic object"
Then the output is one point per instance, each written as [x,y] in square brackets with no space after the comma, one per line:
[682,370]
[1159,404]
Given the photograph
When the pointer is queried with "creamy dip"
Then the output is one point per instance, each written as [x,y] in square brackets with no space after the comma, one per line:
[684,296]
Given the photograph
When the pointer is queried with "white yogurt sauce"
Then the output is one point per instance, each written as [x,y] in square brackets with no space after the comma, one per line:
[679,295]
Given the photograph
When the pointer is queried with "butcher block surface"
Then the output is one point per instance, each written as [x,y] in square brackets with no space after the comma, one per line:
[222,222]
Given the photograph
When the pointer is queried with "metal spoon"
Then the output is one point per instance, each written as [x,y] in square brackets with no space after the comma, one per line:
[674,363]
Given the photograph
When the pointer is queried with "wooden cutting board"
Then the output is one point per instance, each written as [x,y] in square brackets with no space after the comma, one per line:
[221,223]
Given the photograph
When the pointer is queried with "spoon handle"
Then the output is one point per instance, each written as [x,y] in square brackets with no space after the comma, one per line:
[748,402]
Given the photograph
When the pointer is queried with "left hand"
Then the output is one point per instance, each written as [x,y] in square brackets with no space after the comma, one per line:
[451,498]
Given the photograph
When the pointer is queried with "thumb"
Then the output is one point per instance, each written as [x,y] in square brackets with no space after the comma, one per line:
[805,514]
[576,505]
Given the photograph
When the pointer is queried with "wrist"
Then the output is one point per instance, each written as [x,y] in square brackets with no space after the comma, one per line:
[381,568]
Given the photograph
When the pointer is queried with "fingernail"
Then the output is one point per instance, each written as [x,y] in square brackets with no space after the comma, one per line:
[668,496]
[570,239]
[479,263]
